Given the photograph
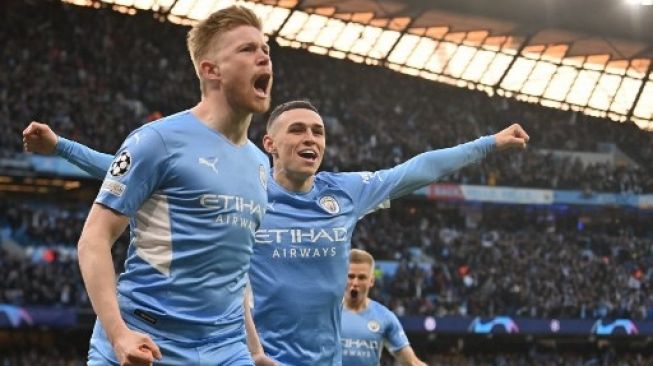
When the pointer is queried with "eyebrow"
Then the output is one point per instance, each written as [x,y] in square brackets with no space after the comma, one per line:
[265,46]
[306,124]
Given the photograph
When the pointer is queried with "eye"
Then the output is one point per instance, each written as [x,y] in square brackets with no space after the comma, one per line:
[295,130]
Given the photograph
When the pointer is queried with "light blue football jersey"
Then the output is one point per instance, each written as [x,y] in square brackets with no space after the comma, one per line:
[365,333]
[194,200]
[301,254]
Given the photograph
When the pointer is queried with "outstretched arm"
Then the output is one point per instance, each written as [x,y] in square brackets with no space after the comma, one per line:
[374,189]
[430,166]
[39,138]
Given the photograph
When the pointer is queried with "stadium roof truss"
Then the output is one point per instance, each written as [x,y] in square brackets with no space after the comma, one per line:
[596,75]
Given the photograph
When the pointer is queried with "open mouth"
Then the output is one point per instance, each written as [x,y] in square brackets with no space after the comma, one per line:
[353,294]
[308,154]
[262,84]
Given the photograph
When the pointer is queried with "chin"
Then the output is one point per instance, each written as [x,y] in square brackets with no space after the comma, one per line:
[260,106]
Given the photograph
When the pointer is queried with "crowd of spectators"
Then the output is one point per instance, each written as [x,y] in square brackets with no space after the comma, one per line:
[96,86]
[512,261]
[45,270]
[41,356]
[466,261]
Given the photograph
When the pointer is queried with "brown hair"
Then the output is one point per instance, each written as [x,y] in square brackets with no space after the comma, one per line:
[359,256]
[287,106]
[203,35]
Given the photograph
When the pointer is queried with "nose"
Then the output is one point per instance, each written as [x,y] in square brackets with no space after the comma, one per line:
[353,282]
[309,138]
[263,58]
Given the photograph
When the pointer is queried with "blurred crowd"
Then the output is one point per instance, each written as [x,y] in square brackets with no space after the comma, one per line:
[96,86]
[457,260]
[41,356]
[512,261]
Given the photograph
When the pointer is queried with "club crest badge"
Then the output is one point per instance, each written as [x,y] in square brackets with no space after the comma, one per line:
[373,326]
[263,176]
[121,164]
[329,204]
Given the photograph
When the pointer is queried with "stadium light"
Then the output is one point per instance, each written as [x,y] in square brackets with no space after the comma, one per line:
[640,2]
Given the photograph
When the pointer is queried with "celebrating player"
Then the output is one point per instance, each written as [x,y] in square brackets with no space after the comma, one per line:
[192,220]
[301,255]
[367,325]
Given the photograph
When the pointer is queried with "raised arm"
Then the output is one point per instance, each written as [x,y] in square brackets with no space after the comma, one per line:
[430,166]
[374,189]
[39,138]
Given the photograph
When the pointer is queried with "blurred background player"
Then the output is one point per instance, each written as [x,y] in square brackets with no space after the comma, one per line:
[368,326]
[302,248]
[192,219]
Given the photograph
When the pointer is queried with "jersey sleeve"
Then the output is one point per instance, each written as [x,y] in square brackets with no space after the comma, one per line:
[135,173]
[93,162]
[394,336]
[373,190]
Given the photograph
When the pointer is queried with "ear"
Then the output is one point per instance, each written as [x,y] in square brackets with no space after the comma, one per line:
[372,279]
[268,145]
[209,70]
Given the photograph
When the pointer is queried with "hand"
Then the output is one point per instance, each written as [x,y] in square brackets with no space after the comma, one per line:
[135,349]
[262,360]
[512,137]
[39,138]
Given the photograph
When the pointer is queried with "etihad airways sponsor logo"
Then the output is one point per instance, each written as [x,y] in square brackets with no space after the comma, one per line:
[224,202]
[234,210]
[360,343]
[304,252]
[297,236]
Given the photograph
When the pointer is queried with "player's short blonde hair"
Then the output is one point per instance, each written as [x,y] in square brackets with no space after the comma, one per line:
[202,37]
[359,256]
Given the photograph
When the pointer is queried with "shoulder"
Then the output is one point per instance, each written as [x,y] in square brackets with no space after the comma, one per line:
[381,310]
[170,125]
[378,307]
[345,178]
[259,154]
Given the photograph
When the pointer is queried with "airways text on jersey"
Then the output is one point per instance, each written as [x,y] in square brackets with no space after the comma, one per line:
[233,210]
[360,347]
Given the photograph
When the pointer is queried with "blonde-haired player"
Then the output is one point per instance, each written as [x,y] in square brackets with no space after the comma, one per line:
[190,187]
[367,326]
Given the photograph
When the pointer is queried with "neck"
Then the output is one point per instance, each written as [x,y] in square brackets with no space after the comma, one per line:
[293,183]
[217,114]
[356,305]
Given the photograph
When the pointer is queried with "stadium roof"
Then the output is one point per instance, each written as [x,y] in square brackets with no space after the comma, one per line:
[594,56]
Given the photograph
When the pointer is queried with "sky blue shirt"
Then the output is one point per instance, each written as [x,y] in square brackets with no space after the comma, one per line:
[299,265]
[194,201]
[365,333]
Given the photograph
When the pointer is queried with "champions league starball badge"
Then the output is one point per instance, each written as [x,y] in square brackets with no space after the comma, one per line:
[121,164]
[329,204]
